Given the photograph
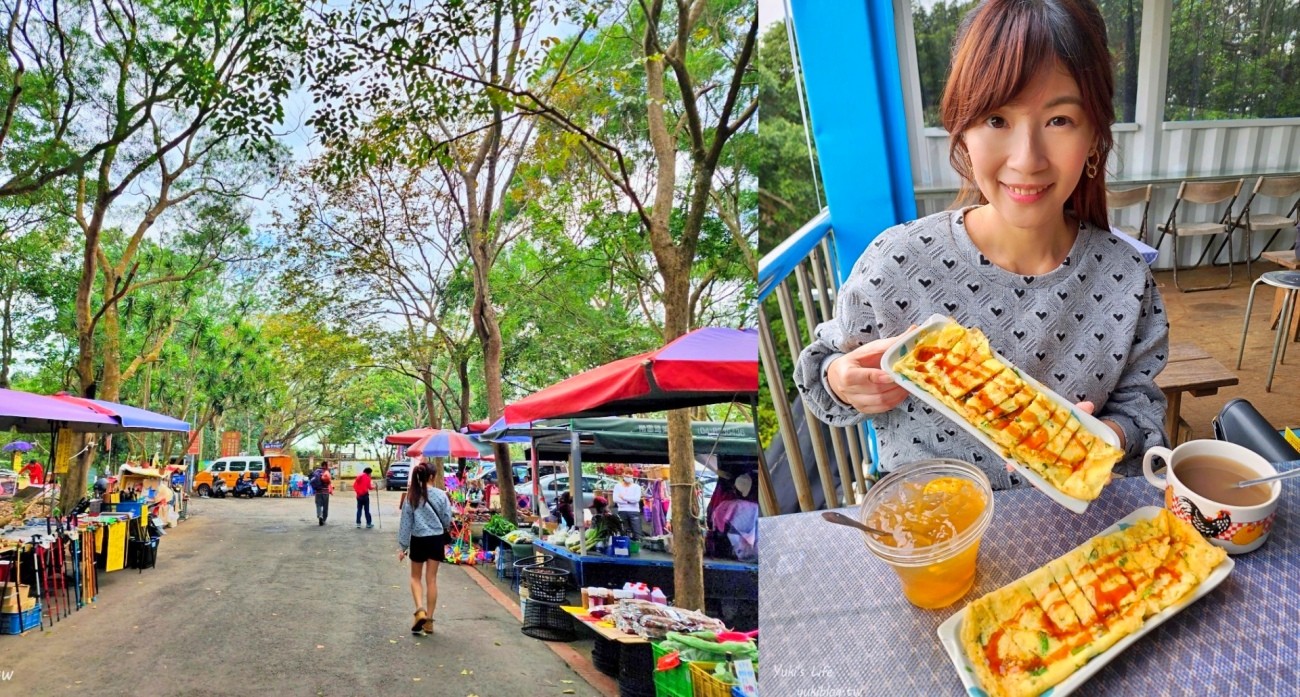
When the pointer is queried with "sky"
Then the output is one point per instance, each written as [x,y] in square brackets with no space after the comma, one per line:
[770,11]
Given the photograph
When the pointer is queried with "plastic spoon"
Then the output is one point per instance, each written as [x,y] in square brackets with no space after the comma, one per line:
[841,519]
[1270,478]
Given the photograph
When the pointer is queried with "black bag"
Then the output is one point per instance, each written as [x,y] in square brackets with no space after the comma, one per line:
[1239,422]
[317,482]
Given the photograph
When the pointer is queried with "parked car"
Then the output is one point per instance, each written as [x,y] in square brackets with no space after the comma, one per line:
[488,472]
[552,485]
[398,476]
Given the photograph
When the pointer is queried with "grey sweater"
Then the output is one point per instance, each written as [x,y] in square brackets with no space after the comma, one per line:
[1094,329]
[433,517]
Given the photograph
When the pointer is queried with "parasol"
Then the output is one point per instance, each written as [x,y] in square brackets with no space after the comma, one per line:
[444,443]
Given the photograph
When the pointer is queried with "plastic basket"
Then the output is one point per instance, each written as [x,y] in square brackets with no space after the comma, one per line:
[19,622]
[675,682]
[547,621]
[524,562]
[546,584]
[705,685]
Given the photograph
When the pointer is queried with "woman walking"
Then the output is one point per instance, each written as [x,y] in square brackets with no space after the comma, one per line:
[424,535]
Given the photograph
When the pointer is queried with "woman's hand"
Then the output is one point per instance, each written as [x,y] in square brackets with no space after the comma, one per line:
[1088,407]
[856,378]
[401,554]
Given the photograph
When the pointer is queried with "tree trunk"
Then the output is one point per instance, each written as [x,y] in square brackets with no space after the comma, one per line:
[488,330]
[688,540]
[430,400]
[78,471]
[7,333]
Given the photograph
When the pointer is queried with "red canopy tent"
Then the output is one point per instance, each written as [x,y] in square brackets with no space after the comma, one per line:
[409,437]
[706,366]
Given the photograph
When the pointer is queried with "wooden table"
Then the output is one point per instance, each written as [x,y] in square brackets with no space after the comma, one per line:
[1286,259]
[1190,369]
[605,630]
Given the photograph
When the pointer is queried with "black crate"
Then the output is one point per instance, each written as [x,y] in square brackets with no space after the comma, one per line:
[547,621]
[605,655]
[636,671]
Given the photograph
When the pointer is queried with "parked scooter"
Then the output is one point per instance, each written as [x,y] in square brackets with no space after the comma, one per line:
[244,487]
[218,490]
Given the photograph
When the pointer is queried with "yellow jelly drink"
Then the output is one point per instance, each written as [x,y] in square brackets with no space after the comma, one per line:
[935,512]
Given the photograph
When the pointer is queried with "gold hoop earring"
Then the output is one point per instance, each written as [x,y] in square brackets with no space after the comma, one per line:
[1094,159]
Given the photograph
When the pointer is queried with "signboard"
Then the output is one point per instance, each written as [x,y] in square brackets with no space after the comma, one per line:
[273,448]
[229,443]
[62,451]
[178,479]
[196,443]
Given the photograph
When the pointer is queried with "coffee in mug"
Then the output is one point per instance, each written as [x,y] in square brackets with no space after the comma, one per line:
[1198,487]
[1216,479]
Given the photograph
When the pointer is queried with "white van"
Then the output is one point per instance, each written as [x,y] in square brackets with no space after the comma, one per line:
[254,467]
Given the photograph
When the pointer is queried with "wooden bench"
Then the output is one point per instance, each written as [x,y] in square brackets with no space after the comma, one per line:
[1286,259]
[1190,369]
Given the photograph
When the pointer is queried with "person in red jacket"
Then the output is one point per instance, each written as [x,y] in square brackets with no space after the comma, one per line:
[362,486]
[35,473]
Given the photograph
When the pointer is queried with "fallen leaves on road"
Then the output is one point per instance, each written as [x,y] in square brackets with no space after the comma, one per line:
[392,641]
[567,682]
[320,646]
[467,672]
[416,679]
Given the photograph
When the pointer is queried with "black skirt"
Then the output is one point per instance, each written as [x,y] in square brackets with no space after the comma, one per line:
[432,548]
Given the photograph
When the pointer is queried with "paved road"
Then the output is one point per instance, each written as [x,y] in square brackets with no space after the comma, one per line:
[253,598]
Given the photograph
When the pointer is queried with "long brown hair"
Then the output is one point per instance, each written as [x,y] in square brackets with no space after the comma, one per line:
[1000,47]
[417,487]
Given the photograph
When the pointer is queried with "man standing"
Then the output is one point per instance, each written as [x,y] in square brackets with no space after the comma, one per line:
[320,483]
[362,486]
[627,496]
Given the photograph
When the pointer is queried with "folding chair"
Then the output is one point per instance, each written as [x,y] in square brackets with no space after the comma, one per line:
[1205,193]
[1131,197]
[1273,187]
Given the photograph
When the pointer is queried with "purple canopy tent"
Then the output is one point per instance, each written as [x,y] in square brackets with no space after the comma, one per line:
[33,413]
[129,418]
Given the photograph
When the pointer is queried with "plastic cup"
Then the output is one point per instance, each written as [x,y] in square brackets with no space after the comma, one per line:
[939,574]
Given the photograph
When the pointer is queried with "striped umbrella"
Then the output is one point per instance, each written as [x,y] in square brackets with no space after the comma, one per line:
[444,443]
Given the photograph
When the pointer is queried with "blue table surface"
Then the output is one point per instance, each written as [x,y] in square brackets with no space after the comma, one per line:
[835,623]
[643,559]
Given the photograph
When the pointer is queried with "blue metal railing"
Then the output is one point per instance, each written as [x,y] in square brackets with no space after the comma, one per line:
[809,259]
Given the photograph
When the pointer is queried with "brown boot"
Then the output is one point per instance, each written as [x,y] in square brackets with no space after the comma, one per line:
[421,618]
[428,626]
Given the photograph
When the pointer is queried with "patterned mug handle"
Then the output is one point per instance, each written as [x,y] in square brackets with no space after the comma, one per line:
[1165,454]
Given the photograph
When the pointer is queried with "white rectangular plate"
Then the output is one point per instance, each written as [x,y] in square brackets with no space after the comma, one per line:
[910,339]
[950,630]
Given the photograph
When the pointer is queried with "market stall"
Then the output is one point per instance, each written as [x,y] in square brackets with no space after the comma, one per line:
[55,554]
[653,649]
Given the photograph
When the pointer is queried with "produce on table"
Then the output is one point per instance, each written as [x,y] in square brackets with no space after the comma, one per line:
[517,537]
[499,525]
[654,621]
[704,646]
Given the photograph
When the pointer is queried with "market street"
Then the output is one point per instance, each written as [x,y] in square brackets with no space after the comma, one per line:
[251,597]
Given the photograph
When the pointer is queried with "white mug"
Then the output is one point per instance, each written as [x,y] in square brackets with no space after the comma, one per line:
[1237,529]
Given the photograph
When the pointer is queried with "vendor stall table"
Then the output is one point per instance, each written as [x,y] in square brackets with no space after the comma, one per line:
[730,586]
[831,610]
[631,654]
